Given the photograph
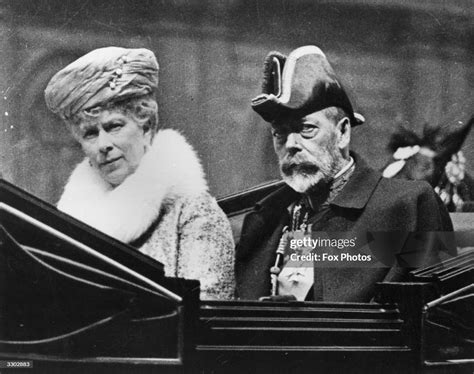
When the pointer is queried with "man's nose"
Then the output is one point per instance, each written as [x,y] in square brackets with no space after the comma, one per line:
[104,142]
[293,141]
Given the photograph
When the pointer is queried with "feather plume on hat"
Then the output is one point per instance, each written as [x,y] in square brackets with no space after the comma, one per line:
[272,68]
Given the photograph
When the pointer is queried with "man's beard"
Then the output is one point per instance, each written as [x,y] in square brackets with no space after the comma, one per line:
[305,172]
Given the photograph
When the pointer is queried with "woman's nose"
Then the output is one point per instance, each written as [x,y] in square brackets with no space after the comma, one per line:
[104,142]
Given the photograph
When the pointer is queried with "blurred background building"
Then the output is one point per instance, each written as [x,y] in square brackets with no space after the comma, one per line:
[402,62]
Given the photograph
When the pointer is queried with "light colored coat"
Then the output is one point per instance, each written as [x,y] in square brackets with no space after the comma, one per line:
[165,210]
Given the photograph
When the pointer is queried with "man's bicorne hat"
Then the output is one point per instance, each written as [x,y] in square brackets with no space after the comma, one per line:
[300,84]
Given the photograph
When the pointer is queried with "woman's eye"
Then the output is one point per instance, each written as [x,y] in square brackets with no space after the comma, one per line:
[89,134]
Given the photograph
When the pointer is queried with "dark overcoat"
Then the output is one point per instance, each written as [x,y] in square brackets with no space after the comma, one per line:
[367,204]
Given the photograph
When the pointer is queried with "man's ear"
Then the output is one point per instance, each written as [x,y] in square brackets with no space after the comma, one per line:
[344,129]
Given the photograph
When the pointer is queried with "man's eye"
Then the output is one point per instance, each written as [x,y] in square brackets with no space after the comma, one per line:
[309,130]
[114,126]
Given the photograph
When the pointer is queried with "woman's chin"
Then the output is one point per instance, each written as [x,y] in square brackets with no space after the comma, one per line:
[115,178]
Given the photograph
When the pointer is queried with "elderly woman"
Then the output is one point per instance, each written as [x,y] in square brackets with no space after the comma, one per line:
[138,184]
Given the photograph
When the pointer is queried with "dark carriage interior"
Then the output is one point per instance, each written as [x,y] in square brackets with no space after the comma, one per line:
[150,322]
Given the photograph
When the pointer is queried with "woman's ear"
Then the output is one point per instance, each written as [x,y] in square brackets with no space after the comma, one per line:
[344,128]
[147,127]
[148,131]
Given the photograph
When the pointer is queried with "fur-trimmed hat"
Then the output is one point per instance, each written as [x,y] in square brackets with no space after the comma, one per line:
[300,84]
[103,75]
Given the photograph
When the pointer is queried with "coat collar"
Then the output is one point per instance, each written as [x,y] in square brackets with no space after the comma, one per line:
[360,187]
[277,201]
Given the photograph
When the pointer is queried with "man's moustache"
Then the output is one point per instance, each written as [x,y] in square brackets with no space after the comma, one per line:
[290,168]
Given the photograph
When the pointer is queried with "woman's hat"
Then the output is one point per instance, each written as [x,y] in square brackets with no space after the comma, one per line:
[103,75]
[300,84]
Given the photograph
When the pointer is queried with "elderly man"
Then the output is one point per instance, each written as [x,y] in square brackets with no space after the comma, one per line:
[329,189]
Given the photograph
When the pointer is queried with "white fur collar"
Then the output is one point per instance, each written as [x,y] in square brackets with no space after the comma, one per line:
[169,169]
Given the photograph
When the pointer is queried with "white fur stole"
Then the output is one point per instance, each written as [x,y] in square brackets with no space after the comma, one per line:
[170,168]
